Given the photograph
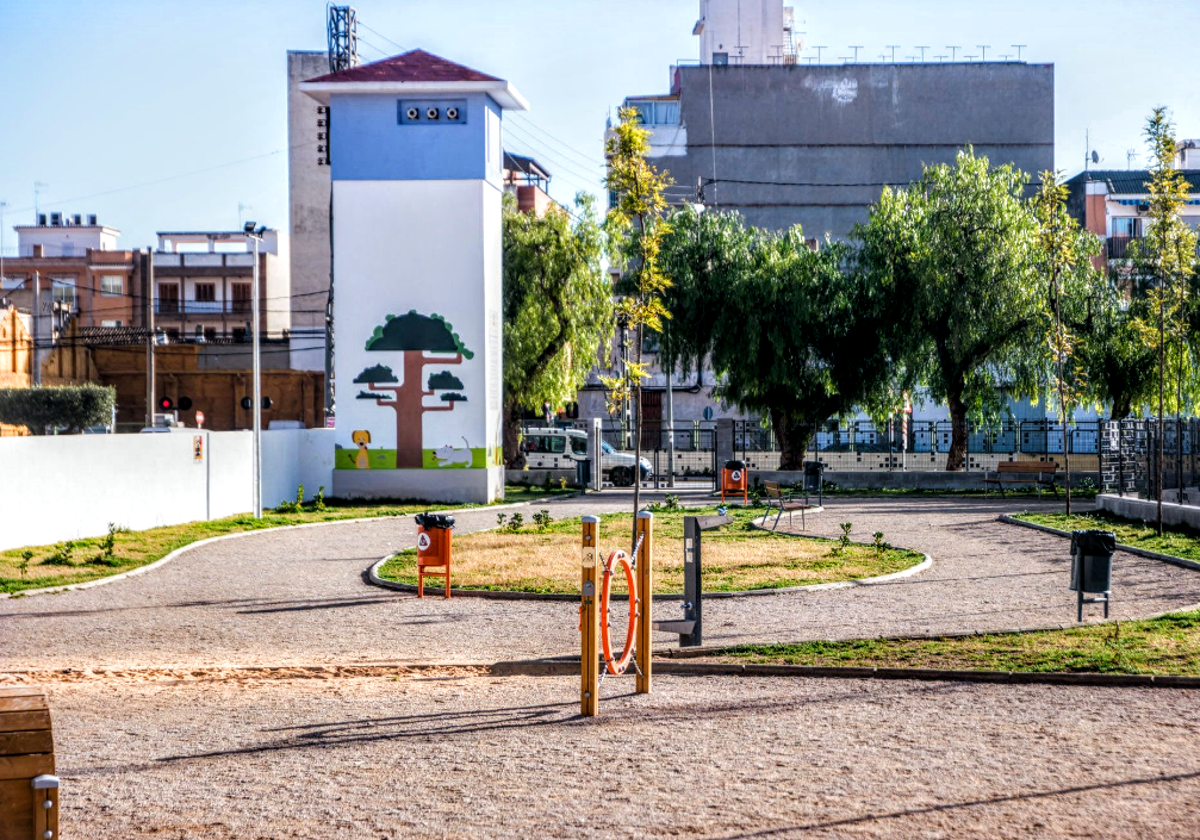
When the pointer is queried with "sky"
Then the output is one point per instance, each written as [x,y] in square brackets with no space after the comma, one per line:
[168,114]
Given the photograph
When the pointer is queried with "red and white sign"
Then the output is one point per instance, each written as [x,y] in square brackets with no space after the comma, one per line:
[199,419]
[423,541]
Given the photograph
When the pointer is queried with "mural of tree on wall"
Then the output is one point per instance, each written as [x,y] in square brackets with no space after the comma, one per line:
[414,335]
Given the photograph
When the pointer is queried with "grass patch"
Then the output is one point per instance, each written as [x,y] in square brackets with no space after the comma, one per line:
[82,560]
[1176,541]
[544,558]
[1166,645]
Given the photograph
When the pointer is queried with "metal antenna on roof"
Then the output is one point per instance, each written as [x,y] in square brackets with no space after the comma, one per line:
[922,49]
[984,49]
[892,47]
[343,38]
[1130,156]
[953,51]
[1018,48]
[856,48]
[818,49]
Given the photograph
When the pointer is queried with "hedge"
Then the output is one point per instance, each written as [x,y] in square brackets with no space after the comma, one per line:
[70,407]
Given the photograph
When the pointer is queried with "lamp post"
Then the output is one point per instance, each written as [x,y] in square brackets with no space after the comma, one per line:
[255,234]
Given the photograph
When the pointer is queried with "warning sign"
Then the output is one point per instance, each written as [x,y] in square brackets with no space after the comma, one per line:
[423,541]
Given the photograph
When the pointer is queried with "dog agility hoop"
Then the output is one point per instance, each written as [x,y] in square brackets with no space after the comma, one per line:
[595,611]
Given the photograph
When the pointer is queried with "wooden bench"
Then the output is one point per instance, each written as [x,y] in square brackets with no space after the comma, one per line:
[785,500]
[1040,473]
[28,786]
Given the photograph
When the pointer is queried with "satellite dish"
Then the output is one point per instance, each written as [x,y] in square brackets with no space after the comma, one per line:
[1095,157]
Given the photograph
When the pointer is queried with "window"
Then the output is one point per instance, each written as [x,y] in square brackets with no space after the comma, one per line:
[1126,226]
[112,284]
[654,112]
[579,445]
[206,292]
[111,324]
[241,297]
[239,334]
[63,290]
[720,58]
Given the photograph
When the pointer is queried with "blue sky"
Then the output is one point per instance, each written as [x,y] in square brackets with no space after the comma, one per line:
[165,114]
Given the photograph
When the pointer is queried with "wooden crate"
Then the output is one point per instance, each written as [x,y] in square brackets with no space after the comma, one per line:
[27,781]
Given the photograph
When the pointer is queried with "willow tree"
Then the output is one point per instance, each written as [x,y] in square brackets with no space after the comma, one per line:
[637,225]
[957,250]
[1064,259]
[1165,259]
[558,310]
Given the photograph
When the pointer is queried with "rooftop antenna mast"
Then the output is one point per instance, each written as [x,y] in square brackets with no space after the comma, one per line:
[343,38]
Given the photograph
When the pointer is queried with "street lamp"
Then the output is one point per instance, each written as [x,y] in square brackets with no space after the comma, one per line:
[255,234]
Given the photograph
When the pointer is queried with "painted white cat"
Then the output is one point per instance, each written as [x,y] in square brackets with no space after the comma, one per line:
[448,456]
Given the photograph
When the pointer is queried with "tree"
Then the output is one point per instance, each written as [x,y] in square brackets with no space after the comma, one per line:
[70,407]
[791,332]
[955,251]
[635,221]
[1166,258]
[414,335]
[558,310]
[1064,258]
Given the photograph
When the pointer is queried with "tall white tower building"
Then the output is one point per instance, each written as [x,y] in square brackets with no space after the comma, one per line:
[746,32]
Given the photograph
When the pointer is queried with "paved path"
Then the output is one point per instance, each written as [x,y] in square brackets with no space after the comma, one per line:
[717,757]
[297,596]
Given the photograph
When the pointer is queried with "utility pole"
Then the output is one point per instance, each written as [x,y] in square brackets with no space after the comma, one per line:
[670,414]
[36,368]
[150,399]
[255,234]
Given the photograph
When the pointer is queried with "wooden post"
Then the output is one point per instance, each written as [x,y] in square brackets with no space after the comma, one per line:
[645,584]
[589,620]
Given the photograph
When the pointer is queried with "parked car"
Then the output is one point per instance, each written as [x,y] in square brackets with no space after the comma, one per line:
[560,449]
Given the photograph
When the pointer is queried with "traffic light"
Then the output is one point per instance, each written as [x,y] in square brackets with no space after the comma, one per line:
[248,403]
[266,403]
[185,403]
[166,404]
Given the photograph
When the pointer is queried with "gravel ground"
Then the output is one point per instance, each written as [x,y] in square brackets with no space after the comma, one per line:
[460,755]
[298,597]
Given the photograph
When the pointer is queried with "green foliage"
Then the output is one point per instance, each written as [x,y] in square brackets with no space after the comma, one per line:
[880,545]
[23,565]
[844,537]
[63,555]
[558,309]
[298,505]
[377,374]
[413,331]
[501,518]
[516,522]
[793,333]
[69,407]
[318,502]
[107,546]
[542,519]
[444,381]
[453,397]
[956,253]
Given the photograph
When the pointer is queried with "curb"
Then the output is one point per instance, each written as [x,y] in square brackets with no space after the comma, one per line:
[162,561]
[1128,549]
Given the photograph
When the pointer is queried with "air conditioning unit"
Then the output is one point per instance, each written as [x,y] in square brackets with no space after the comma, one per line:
[77,219]
[42,219]
[92,219]
[56,219]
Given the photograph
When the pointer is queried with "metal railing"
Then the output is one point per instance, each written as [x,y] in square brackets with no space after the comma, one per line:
[1118,246]
[175,306]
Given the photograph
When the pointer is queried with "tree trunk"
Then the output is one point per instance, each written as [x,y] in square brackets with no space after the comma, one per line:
[514,458]
[793,438]
[956,459]
[1122,407]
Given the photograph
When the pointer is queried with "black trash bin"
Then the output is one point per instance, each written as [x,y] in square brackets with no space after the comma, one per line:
[434,520]
[1091,567]
[583,472]
[814,480]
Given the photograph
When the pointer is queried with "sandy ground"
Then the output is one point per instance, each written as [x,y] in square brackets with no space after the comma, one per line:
[458,754]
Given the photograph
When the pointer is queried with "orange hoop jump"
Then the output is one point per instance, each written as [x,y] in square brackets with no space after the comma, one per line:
[618,666]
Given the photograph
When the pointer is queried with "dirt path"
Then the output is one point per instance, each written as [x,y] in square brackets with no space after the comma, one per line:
[297,597]
[456,755]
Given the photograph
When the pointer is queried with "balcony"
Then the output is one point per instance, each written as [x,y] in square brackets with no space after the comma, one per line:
[1118,246]
[174,306]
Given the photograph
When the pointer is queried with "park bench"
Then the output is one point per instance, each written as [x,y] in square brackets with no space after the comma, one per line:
[785,500]
[28,787]
[1041,473]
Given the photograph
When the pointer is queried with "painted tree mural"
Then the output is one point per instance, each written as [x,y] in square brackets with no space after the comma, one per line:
[414,335]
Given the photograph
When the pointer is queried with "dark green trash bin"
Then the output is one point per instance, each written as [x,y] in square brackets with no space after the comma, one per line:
[1091,567]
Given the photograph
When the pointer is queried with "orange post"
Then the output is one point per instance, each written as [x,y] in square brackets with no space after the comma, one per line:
[589,620]
[645,571]
[433,552]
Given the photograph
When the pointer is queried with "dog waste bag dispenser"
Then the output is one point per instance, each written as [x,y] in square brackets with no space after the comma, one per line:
[1091,567]
[433,548]
[735,481]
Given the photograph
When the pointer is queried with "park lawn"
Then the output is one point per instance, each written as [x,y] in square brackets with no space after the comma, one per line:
[1175,541]
[1165,645]
[132,549]
[546,559]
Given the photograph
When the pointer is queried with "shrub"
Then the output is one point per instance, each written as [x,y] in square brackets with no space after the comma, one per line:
[62,556]
[70,407]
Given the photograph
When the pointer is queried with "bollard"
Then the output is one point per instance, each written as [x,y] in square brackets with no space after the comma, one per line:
[589,620]
[645,533]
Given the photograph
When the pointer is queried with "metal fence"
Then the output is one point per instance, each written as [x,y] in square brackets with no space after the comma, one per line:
[1129,458]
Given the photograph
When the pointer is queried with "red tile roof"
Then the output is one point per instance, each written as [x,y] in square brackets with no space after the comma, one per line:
[412,66]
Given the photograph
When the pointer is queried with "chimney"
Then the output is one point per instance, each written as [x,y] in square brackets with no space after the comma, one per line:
[37,251]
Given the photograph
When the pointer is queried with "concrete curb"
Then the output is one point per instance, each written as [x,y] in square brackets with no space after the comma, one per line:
[162,561]
[1128,549]
[564,667]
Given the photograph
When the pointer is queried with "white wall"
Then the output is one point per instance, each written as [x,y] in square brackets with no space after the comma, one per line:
[72,486]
